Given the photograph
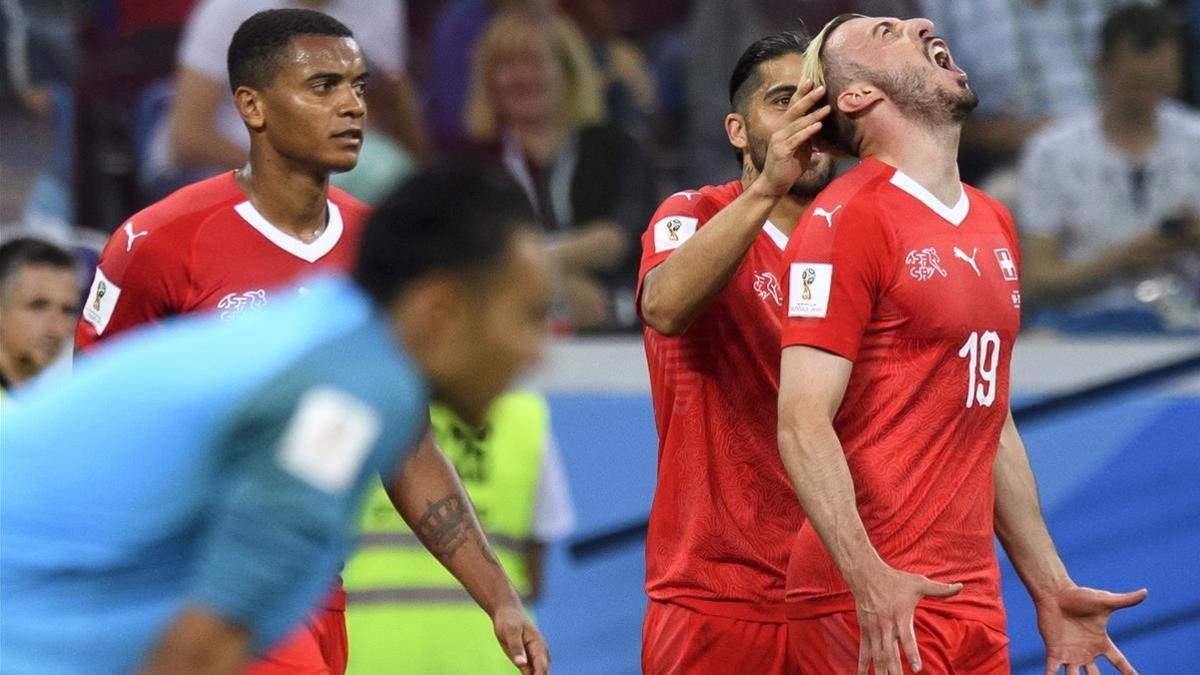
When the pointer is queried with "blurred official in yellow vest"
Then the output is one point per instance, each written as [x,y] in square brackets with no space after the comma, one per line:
[405,613]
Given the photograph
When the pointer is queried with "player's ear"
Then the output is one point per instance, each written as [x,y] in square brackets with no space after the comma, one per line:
[250,105]
[858,97]
[431,304]
[735,128]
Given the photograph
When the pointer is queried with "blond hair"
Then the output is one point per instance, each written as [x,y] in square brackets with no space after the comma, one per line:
[814,66]
[520,28]
[838,133]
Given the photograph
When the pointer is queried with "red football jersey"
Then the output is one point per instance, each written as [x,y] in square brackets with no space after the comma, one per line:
[724,513]
[924,299]
[206,247]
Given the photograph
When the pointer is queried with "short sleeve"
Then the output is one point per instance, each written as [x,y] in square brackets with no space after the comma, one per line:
[207,34]
[835,272]
[675,221]
[141,278]
[553,512]
[1043,198]
[298,462]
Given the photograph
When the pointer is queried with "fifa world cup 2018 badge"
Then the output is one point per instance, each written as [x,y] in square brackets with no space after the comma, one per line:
[101,289]
[673,230]
[808,277]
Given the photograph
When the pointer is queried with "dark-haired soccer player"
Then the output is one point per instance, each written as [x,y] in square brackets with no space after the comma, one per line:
[226,243]
[208,482]
[229,244]
[894,423]
[723,516]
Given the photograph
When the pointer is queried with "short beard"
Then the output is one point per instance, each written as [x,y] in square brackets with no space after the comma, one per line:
[807,187]
[933,106]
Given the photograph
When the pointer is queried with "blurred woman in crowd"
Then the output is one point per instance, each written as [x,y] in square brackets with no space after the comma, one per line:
[536,106]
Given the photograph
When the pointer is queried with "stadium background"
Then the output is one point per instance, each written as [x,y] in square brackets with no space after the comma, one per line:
[1112,420]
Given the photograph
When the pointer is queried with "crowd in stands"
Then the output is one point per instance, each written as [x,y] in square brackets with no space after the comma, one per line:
[599,109]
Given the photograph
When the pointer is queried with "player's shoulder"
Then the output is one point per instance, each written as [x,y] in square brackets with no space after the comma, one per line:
[363,362]
[984,202]
[699,203]
[188,208]
[857,196]
[354,210]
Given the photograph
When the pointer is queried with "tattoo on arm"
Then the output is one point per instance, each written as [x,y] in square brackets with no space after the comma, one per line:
[445,526]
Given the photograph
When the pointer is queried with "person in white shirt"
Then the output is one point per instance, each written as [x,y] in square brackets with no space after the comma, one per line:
[1112,197]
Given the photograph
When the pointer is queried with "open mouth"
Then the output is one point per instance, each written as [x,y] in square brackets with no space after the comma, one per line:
[350,135]
[940,55]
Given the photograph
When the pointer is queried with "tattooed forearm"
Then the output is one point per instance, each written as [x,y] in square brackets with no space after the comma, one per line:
[445,526]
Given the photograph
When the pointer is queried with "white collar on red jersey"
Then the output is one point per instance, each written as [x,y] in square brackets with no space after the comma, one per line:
[954,214]
[311,251]
[776,235]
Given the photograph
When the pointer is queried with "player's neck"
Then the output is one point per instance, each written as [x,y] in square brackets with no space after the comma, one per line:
[928,154]
[290,199]
[786,212]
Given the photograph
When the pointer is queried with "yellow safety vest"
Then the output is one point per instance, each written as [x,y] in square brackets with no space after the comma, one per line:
[405,612]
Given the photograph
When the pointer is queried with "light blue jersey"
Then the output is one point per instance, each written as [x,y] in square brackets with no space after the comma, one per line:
[206,462]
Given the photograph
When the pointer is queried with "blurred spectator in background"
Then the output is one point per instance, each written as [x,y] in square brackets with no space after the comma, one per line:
[458,26]
[629,90]
[203,133]
[1030,61]
[39,303]
[1111,197]
[40,63]
[717,33]
[535,106]
[403,605]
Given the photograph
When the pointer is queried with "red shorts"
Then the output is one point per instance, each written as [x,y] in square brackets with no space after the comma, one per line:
[317,647]
[829,645]
[679,641]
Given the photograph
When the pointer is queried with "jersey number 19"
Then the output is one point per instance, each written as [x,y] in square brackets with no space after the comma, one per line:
[982,352]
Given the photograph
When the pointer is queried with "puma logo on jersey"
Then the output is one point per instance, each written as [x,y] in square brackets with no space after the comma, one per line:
[767,286]
[130,235]
[827,215]
[958,253]
[924,264]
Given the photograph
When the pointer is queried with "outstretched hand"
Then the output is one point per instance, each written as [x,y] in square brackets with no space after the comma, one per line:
[1074,626]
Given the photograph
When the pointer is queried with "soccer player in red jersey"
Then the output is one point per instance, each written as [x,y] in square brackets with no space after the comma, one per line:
[227,243]
[903,303]
[723,514]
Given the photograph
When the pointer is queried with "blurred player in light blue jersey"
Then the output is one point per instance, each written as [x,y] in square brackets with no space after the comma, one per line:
[185,499]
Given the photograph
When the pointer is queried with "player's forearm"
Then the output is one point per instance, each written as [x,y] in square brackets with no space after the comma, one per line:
[431,499]
[199,642]
[816,465]
[1018,519]
[679,289]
